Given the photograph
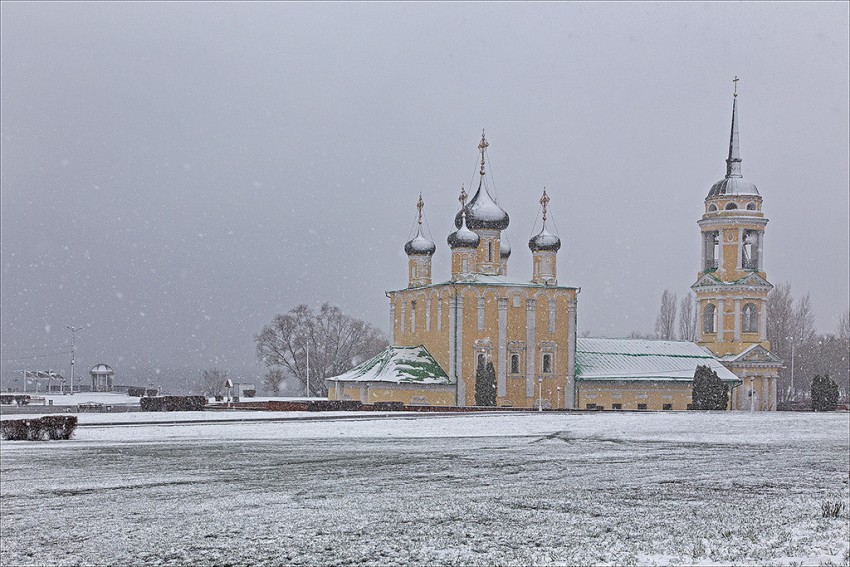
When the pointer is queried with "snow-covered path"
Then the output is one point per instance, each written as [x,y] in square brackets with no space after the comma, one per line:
[631,488]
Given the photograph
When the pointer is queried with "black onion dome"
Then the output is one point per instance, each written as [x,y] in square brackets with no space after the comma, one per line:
[544,241]
[463,238]
[419,246]
[504,249]
[483,212]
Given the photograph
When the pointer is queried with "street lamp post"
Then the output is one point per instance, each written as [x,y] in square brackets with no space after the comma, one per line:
[540,394]
[307,382]
[558,405]
[73,352]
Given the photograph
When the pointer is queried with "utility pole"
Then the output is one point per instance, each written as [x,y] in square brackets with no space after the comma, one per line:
[308,369]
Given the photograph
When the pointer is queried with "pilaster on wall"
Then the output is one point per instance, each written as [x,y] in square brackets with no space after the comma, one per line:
[721,320]
[392,321]
[531,347]
[461,383]
[502,376]
[570,389]
[737,320]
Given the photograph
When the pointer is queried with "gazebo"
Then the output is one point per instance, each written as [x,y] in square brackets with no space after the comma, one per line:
[101,378]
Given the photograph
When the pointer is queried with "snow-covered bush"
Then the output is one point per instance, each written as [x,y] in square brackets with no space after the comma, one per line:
[49,427]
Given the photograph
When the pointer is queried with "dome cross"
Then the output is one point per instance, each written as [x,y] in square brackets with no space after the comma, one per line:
[419,206]
[482,146]
[544,201]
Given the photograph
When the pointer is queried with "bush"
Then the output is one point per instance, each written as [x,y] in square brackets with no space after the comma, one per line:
[709,392]
[831,508]
[174,403]
[249,393]
[824,394]
[54,427]
[135,392]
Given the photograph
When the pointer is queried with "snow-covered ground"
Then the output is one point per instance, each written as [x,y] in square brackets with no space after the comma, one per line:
[568,489]
[105,398]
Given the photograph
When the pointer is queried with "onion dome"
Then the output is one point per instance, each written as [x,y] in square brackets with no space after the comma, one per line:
[463,237]
[482,212]
[733,184]
[419,245]
[544,240]
[504,249]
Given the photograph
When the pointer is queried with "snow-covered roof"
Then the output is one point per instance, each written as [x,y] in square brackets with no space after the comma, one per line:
[644,360]
[102,370]
[398,364]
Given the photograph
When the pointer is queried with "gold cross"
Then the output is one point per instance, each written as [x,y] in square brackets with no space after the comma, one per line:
[735,82]
[420,205]
[544,200]
[462,198]
[482,146]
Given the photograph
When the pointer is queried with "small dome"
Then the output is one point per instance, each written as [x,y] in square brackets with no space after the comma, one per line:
[463,238]
[731,187]
[544,241]
[482,212]
[419,246]
[504,249]
[101,370]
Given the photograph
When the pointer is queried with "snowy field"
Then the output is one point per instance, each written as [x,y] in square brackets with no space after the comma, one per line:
[568,489]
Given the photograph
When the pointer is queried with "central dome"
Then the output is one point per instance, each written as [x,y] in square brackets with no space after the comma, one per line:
[482,212]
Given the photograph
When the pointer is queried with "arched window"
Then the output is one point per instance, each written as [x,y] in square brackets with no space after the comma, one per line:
[514,364]
[413,271]
[547,363]
[708,316]
[482,360]
[751,206]
[712,208]
[731,206]
[750,319]
[489,250]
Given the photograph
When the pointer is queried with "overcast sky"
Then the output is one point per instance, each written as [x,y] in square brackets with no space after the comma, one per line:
[174,175]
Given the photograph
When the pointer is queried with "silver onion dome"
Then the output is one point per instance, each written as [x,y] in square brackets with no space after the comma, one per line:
[482,212]
[544,241]
[504,249]
[419,246]
[463,237]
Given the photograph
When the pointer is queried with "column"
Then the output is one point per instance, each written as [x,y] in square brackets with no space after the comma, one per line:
[739,263]
[530,347]
[743,390]
[720,319]
[502,372]
[773,393]
[763,321]
[570,391]
[428,315]
[761,250]
[764,400]
[699,320]
[737,320]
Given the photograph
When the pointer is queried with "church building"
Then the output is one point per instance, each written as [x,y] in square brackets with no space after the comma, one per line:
[484,337]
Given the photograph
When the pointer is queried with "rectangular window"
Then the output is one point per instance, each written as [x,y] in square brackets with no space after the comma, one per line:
[617,406]
[641,406]
[667,406]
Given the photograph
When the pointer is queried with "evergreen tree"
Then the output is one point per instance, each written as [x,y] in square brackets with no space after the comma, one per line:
[485,385]
[824,393]
[709,393]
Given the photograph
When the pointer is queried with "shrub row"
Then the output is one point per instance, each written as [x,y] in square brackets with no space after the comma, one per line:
[48,427]
[10,399]
[173,403]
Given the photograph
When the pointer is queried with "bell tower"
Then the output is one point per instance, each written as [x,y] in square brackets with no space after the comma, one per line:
[732,286]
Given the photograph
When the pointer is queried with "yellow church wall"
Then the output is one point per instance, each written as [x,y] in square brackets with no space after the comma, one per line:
[654,394]
[408,394]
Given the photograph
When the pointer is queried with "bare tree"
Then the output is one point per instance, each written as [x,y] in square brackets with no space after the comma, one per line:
[212,381]
[333,339]
[273,380]
[843,330]
[688,318]
[665,323]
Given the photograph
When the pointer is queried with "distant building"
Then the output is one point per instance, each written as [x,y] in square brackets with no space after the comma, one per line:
[527,329]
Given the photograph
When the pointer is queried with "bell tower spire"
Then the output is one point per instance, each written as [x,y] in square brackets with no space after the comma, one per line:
[733,162]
